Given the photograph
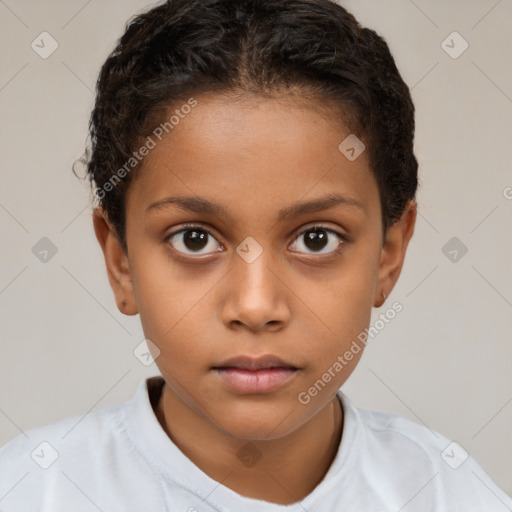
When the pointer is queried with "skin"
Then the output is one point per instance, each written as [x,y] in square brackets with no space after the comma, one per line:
[254,157]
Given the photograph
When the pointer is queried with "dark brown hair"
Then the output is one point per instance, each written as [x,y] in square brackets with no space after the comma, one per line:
[184,48]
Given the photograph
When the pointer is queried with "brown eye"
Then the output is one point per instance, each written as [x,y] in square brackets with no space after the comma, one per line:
[193,240]
[315,239]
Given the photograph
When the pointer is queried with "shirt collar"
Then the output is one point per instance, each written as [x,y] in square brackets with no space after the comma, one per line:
[146,433]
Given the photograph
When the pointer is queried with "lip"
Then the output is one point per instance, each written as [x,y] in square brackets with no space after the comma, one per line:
[255,375]
[255,363]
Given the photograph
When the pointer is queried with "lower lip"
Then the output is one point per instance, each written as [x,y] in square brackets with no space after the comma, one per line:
[256,381]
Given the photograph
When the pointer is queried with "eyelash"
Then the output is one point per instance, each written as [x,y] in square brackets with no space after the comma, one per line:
[191,227]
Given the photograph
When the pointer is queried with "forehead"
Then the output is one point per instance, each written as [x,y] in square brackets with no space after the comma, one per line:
[246,152]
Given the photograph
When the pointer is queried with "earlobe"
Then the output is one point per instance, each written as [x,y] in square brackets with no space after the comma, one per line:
[117,263]
[393,253]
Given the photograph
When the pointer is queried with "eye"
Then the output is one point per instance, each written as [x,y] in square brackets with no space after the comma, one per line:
[317,238]
[194,239]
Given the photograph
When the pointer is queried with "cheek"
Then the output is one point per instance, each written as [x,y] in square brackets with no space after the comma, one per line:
[164,291]
[343,297]
[173,305]
[334,354]
[343,303]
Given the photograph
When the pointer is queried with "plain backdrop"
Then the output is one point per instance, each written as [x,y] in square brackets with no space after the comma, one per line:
[444,361]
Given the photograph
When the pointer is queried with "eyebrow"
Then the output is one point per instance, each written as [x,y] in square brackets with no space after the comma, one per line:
[204,206]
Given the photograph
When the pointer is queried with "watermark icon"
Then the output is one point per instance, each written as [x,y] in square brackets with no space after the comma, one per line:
[454,455]
[351,147]
[454,45]
[44,250]
[304,397]
[454,249]
[150,143]
[44,45]
[146,352]
[249,250]
[507,193]
[44,455]
[249,455]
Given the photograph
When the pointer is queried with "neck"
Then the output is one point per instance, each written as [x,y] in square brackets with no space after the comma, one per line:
[287,469]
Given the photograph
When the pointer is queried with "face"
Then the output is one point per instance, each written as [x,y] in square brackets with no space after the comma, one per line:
[255,255]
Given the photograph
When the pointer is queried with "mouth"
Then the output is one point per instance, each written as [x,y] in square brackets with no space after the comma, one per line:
[251,375]
[255,363]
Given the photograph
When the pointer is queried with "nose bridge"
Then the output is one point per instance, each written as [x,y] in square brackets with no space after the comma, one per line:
[255,277]
[256,296]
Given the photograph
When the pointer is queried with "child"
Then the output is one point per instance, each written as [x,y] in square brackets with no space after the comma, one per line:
[254,170]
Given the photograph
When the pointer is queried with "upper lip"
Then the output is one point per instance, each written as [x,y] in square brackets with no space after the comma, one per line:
[255,363]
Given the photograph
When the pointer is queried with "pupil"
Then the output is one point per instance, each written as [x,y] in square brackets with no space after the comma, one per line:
[316,239]
[195,240]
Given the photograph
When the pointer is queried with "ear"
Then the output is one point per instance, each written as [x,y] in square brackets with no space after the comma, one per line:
[393,253]
[117,263]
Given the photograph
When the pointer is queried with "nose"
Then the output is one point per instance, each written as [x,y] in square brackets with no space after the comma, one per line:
[255,298]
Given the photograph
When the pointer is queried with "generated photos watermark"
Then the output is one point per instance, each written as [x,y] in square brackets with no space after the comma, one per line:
[304,397]
[150,143]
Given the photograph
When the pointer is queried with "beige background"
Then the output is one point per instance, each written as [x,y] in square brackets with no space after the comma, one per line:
[444,360]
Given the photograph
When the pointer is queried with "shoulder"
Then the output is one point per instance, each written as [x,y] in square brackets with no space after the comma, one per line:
[35,460]
[66,432]
[414,456]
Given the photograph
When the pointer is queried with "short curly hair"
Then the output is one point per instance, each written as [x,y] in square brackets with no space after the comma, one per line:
[183,48]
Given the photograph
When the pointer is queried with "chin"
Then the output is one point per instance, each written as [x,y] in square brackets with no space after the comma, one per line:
[257,422]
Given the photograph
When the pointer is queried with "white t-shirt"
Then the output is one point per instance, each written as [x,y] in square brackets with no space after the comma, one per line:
[121,459]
